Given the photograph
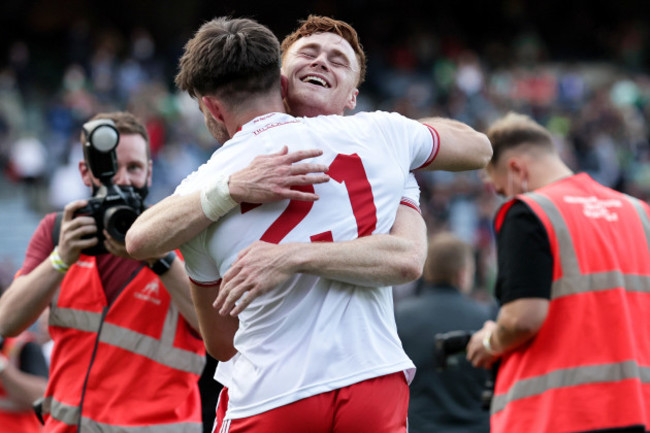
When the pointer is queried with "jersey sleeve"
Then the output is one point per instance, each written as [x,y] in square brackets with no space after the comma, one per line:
[411,193]
[199,264]
[190,184]
[418,142]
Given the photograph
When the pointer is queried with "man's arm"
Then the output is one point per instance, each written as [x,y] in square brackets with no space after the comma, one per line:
[28,295]
[217,331]
[377,260]
[461,147]
[23,389]
[518,322]
[177,219]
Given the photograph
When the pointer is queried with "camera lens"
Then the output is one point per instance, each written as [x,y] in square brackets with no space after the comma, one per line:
[118,220]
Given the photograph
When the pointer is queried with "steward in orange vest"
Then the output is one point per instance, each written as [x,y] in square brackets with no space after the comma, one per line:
[589,363]
[573,278]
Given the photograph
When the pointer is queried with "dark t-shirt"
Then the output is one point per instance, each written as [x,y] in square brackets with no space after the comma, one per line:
[114,272]
[32,360]
[525,263]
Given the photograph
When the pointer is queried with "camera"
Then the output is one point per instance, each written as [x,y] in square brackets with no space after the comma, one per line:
[452,343]
[114,207]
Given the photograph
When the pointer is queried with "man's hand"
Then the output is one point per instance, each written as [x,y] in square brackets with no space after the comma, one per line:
[477,354]
[258,269]
[271,177]
[73,229]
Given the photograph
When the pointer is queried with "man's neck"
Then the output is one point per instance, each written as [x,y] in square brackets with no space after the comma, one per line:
[255,109]
[547,172]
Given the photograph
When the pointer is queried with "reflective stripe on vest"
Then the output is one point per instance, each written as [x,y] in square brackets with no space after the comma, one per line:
[157,350]
[570,377]
[576,282]
[63,412]
[70,415]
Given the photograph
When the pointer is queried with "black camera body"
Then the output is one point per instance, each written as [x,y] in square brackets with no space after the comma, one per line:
[453,343]
[114,207]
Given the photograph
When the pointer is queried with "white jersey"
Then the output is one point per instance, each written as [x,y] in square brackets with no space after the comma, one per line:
[311,335]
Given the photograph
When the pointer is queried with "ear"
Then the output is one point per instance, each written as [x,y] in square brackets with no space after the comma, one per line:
[517,165]
[85,173]
[284,82]
[214,106]
[352,101]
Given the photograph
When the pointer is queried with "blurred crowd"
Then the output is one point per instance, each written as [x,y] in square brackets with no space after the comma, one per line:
[598,112]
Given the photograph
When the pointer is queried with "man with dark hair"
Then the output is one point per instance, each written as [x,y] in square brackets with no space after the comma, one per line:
[314,354]
[126,354]
[574,283]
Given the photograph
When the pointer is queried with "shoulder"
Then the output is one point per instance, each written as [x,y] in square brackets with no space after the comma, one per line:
[46,226]
[514,209]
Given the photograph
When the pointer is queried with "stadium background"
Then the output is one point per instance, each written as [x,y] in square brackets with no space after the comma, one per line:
[578,67]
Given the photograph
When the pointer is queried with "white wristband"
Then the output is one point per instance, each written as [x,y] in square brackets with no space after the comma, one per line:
[486,343]
[215,198]
[57,262]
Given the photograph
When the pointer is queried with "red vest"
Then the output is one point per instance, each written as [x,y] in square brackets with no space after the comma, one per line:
[588,367]
[13,419]
[121,367]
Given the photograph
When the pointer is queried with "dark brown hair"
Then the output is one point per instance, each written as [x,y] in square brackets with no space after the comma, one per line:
[230,58]
[319,24]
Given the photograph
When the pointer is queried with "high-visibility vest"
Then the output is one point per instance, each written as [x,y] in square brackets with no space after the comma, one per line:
[13,418]
[129,367]
[588,367]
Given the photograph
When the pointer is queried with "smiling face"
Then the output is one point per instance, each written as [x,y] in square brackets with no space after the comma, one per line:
[322,71]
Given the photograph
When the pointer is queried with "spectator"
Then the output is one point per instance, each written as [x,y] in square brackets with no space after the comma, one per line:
[446,400]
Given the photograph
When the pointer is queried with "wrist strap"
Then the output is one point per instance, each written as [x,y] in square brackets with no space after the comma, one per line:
[215,198]
[57,262]
[163,264]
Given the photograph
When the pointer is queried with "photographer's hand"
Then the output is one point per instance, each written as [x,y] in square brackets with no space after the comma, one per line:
[73,229]
[118,248]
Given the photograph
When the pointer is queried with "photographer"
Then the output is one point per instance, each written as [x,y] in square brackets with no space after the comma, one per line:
[449,399]
[126,350]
